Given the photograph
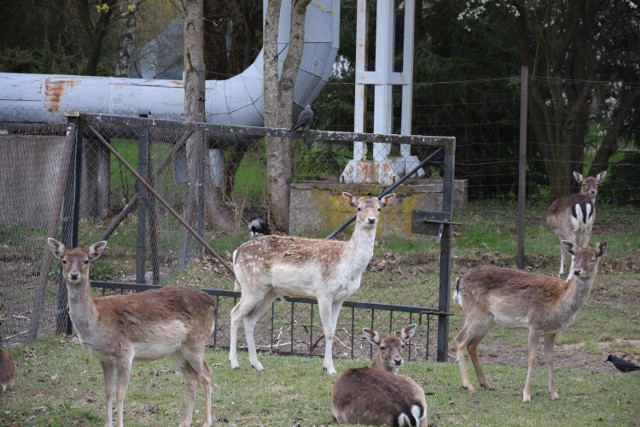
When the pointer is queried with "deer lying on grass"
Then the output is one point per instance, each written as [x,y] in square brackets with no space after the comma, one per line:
[120,329]
[543,304]
[327,270]
[572,215]
[376,395]
[7,371]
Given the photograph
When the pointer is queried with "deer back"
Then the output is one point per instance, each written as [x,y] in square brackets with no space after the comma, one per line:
[375,394]
[151,324]
[518,298]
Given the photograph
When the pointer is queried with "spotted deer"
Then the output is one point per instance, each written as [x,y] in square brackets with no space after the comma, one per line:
[174,322]
[571,216]
[327,270]
[376,395]
[7,371]
[543,304]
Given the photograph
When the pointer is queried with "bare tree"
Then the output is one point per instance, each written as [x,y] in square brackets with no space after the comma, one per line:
[194,101]
[128,40]
[278,101]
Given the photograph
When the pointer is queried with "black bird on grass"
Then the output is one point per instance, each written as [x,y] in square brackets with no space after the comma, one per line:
[259,227]
[622,364]
[304,119]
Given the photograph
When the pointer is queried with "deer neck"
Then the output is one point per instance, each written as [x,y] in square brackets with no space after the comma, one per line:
[578,290]
[82,309]
[359,249]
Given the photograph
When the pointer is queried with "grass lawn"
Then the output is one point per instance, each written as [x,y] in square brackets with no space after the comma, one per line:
[58,384]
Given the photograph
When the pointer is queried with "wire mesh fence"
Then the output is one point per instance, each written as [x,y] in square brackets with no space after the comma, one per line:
[86,185]
[35,164]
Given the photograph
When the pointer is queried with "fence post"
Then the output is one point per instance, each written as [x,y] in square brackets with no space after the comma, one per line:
[70,220]
[445,252]
[142,202]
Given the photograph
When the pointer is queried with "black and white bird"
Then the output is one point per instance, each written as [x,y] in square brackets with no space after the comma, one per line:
[259,227]
[304,119]
[621,364]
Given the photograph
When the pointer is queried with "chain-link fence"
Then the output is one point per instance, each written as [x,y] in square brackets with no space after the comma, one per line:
[81,186]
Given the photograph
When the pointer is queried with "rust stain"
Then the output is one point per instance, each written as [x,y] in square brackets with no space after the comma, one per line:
[54,89]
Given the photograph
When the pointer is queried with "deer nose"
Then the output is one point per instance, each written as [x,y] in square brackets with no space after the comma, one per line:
[398,361]
[74,276]
[371,220]
[577,271]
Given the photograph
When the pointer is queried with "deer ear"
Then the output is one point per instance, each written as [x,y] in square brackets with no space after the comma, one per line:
[601,247]
[407,333]
[372,336]
[350,199]
[97,249]
[601,176]
[578,177]
[388,199]
[56,248]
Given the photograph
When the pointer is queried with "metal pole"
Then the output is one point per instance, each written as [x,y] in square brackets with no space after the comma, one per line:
[522,163]
[445,252]
[143,200]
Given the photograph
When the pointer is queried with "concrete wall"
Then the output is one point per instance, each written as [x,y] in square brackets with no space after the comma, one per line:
[318,208]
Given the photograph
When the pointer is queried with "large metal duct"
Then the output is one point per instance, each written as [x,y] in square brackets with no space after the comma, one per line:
[42,99]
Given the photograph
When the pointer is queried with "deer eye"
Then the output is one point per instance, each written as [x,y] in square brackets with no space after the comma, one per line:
[64,261]
[382,348]
[379,209]
[359,209]
[86,261]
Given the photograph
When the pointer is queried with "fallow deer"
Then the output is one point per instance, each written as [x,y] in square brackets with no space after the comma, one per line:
[327,270]
[571,216]
[174,322]
[7,371]
[543,304]
[376,395]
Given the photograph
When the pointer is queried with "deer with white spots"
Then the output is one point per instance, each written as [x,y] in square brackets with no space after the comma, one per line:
[327,270]
[376,395]
[572,215]
[545,305]
[174,322]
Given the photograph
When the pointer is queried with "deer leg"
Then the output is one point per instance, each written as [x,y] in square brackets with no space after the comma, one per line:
[109,373]
[534,339]
[472,348]
[238,314]
[460,343]
[122,383]
[250,322]
[326,316]
[191,382]
[549,341]
[561,272]
[195,358]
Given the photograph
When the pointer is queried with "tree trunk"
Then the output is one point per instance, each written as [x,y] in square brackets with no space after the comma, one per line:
[128,42]
[278,105]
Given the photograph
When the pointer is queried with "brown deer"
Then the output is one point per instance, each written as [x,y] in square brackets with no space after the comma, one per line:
[7,371]
[174,322]
[571,216]
[376,395]
[542,304]
[327,270]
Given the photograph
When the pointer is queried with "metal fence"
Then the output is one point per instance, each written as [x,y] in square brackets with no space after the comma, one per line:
[79,183]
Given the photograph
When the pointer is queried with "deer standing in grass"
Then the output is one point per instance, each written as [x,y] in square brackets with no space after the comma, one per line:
[542,304]
[376,395]
[327,270]
[572,215]
[174,322]
[7,371]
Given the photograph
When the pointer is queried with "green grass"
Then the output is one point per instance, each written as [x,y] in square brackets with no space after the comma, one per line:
[58,384]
